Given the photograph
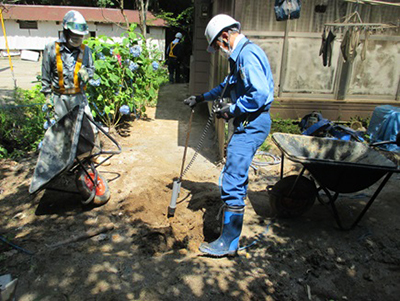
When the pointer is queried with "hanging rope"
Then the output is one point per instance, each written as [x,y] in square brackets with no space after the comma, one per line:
[375,2]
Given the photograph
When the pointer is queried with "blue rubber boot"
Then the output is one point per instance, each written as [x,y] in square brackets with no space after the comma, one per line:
[228,242]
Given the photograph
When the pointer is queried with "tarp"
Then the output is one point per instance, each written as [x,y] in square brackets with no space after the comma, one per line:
[62,143]
[384,126]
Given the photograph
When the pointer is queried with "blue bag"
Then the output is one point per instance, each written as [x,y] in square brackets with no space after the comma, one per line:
[287,9]
[315,125]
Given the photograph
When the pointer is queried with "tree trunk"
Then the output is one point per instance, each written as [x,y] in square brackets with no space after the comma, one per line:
[142,5]
[121,7]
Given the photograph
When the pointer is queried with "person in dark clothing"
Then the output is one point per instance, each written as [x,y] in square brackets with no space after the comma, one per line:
[174,57]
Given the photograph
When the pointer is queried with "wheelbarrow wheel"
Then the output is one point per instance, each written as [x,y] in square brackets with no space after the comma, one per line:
[288,200]
[85,187]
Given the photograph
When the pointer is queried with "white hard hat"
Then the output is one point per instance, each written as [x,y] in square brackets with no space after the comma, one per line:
[75,22]
[215,27]
[178,35]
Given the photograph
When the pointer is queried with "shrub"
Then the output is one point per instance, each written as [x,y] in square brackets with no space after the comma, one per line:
[127,73]
[22,123]
[280,125]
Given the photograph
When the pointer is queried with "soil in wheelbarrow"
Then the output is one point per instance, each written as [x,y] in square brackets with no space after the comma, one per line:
[145,255]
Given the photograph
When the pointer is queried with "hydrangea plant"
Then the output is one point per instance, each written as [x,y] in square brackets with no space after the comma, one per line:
[127,76]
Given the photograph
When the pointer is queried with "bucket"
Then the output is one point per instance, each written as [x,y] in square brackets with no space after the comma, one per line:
[288,200]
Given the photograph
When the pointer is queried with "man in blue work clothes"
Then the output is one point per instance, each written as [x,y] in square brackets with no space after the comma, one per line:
[250,87]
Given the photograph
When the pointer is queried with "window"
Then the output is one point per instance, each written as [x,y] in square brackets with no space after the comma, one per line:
[147,29]
[28,25]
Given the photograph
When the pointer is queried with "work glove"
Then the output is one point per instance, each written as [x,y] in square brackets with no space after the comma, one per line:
[193,100]
[83,75]
[223,111]
[48,105]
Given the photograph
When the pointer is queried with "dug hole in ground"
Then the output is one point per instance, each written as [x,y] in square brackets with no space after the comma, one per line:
[148,256]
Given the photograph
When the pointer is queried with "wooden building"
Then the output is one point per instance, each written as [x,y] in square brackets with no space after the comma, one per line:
[302,83]
[31,27]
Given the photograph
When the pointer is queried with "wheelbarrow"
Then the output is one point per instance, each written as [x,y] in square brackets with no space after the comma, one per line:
[336,166]
[69,146]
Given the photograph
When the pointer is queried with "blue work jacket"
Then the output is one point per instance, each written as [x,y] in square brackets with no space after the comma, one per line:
[250,85]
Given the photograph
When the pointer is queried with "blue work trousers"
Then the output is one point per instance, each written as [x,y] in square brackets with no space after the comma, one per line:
[240,152]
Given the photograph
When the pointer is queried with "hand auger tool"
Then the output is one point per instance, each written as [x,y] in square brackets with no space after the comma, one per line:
[177,182]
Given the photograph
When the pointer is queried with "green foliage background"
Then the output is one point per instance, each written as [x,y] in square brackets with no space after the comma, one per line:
[129,74]
[22,123]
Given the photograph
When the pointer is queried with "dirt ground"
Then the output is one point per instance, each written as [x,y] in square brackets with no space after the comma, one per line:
[148,256]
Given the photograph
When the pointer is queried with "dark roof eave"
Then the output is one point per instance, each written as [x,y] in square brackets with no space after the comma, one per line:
[91,14]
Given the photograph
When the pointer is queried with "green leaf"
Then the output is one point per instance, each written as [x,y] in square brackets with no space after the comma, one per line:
[114,78]
[99,64]
[152,93]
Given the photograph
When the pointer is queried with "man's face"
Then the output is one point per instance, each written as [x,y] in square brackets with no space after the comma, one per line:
[216,44]
[221,41]
[74,40]
[222,45]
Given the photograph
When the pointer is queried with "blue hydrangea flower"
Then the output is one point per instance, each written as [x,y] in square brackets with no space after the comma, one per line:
[135,50]
[95,83]
[133,66]
[111,51]
[124,110]
[46,124]
[101,56]
[52,121]
[155,65]
[40,144]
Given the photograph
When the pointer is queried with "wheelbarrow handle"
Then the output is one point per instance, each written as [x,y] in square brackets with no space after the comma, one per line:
[397,141]
[383,142]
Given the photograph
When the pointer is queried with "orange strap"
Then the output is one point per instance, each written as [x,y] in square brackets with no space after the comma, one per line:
[59,68]
[78,65]
[171,54]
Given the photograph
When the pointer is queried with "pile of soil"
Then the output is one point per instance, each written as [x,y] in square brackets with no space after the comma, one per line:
[145,255]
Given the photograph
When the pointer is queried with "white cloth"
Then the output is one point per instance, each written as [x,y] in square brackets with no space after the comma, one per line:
[237,40]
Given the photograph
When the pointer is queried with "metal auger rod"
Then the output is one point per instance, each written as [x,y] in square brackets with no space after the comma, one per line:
[177,182]
[186,144]
[176,188]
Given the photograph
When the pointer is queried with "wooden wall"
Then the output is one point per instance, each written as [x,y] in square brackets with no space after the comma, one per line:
[293,51]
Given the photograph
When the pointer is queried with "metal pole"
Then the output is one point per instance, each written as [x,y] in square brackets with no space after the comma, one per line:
[8,50]
[177,182]
[284,58]
[186,144]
